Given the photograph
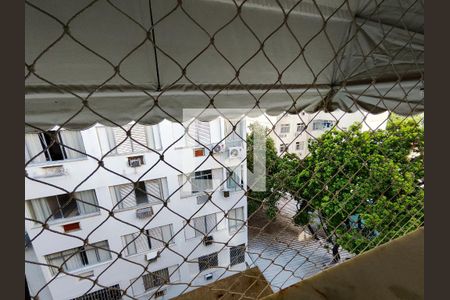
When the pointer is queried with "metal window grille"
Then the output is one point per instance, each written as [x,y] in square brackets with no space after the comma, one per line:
[107,79]
[208,261]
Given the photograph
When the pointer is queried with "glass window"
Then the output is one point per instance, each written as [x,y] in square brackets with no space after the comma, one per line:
[202,181]
[79,257]
[146,192]
[54,146]
[63,206]
[300,127]
[154,238]
[236,219]
[285,128]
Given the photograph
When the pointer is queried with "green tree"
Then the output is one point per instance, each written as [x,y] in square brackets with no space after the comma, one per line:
[269,197]
[365,187]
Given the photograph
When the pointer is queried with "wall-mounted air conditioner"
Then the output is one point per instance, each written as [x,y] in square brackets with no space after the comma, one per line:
[208,240]
[135,161]
[235,152]
[160,293]
[143,213]
[152,256]
[219,148]
[226,194]
[209,276]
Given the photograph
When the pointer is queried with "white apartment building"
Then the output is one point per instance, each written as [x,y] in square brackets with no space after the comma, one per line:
[292,132]
[160,202]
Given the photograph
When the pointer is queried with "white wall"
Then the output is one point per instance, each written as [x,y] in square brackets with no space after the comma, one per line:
[101,226]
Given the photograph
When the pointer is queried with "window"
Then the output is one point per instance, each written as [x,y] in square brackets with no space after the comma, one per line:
[285,128]
[53,146]
[300,127]
[299,146]
[199,182]
[237,255]
[63,206]
[201,226]
[202,181]
[145,192]
[154,238]
[156,278]
[234,178]
[234,138]
[322,124]
[79,257]
[142,138]
[199,133]
[282,148]
[204,225]
[208,261]
[110,293]
[236,219]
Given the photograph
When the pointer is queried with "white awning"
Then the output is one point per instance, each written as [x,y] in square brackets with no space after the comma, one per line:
[89,63]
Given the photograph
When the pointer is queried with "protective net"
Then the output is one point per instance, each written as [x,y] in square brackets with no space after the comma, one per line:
[172,144]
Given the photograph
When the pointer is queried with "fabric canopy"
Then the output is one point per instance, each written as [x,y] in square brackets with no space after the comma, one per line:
[119,61]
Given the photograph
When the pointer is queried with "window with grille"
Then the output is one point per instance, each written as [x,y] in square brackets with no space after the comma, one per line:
[300,127]
[80,257]
[115,140]
[151,239]
[208,261]
[144,193]
[53,146]
[285,128]
[110,293]
[282,148]
[63,206]
[322,124]
[156,279]
[299,145]
[237,255]
[236,219]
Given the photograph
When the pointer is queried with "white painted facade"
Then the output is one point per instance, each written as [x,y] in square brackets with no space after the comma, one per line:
[85,173]
[292,132]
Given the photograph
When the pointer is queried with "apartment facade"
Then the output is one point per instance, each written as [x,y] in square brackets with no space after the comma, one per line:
[156,209]
[293,132]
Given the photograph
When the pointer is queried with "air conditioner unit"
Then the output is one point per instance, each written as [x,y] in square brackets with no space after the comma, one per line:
[226,194]
[235,152]
[209,276]
[135,162]
[208,240]
[160,293]
[218,148]
[152,256]
[143,213]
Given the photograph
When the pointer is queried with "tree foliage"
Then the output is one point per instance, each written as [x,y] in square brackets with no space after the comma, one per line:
[366,186]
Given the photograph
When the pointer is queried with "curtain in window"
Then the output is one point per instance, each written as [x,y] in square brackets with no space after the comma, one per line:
[200,133]
[156,237]
[166,232]
[40,209]
[125,195]
[200,226]
[154,191]
[73,262]
[120,137]
[211,222]
[33,147]
[89,197]
[73,140]
[189,231]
